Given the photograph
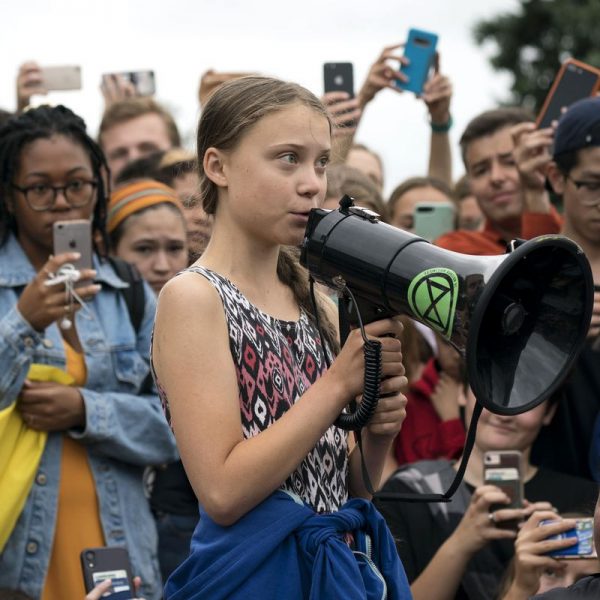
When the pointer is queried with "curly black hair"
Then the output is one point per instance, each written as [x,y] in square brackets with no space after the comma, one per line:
[42,123]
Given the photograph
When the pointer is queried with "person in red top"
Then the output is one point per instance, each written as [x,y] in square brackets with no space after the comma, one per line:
[432,427]
[504,156]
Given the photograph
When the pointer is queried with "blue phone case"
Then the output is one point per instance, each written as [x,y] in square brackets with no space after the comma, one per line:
[584,532]
[420,51]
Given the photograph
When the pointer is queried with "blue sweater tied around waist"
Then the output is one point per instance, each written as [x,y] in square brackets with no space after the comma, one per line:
[282,549]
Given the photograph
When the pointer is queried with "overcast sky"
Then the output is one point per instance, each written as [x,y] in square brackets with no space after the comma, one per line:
[180,39]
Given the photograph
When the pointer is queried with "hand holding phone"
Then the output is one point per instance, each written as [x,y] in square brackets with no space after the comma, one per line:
[100,564]
[419,52]
[502,468]
[581,537]
[128,84]
[338,83]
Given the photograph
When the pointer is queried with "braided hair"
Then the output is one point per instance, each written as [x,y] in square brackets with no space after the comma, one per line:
[42,123]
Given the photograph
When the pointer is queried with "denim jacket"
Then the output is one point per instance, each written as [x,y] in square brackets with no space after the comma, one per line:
[125,430]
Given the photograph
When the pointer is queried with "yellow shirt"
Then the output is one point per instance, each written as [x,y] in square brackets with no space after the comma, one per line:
[78,523]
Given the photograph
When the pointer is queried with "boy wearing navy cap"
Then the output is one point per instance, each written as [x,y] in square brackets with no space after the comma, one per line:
[569,443]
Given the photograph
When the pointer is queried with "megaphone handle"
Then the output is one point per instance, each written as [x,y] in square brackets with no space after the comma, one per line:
[447,495]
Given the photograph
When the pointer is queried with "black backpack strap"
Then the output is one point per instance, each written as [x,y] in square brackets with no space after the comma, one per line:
[134,295]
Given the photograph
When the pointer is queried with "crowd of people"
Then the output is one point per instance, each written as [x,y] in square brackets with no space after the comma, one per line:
[181,400]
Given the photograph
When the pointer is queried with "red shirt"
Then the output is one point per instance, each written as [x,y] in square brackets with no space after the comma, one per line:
[424,435]
[489,241]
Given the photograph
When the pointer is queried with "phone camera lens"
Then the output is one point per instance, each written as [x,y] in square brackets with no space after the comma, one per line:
[89,556]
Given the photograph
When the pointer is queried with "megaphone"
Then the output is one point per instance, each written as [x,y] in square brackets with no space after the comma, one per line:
[519,319]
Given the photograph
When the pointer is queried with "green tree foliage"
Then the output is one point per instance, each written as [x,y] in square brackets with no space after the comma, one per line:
[533,42]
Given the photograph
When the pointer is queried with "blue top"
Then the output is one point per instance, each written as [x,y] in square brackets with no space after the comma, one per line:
[283,549]
[125,429]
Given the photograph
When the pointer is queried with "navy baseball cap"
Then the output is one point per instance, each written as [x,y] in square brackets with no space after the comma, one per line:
[579,127]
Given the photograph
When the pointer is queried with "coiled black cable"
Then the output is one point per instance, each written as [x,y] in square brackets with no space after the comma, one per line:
[356,420]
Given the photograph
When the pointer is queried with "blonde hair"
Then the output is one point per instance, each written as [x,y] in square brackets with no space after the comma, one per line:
[229,113]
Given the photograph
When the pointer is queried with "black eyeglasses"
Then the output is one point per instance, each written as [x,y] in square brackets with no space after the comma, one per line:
[42,196]
[589,191]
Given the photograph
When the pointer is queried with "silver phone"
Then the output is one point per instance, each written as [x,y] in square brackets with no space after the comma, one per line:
[74,236]
[66,77]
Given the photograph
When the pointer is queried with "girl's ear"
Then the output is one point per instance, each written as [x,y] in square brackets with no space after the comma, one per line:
[213,164]
[9,202]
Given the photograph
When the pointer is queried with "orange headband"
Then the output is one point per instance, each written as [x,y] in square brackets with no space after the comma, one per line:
[133,197]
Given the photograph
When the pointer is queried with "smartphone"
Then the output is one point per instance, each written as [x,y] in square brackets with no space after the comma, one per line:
[339,77]
[61,78]
[74,236]
[584,532]
[433,219]
[574,81]
[502,468]
[99,564]
[144,82]
[420,50]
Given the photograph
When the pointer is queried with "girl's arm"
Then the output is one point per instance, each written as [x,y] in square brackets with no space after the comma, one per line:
[230,474]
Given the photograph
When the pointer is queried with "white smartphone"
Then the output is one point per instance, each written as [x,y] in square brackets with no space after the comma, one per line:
[66,77]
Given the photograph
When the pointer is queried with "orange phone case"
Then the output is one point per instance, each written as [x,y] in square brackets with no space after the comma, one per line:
[558,79]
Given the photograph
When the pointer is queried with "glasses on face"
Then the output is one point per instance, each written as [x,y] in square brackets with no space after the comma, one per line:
[589,191]
[42,196]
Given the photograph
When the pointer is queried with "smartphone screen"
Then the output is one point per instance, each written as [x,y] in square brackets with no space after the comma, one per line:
[575,83]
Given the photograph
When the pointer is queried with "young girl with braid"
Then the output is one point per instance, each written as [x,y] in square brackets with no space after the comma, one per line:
[85,433]
[242,372]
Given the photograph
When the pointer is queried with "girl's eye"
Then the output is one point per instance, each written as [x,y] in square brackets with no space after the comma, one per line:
[323,162]
[175,248]
[290,158]
[144,250]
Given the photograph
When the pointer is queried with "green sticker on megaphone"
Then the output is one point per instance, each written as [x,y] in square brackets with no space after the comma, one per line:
[432,297]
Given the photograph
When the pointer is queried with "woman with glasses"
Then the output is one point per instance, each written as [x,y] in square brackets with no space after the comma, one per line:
[96,421]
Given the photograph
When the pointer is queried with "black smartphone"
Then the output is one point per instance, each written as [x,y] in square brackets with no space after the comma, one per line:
[339,77]
[74,236]
[502,468]
[99,564]
[574,81]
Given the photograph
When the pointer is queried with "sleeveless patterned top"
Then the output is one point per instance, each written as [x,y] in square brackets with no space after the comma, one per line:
[276,362]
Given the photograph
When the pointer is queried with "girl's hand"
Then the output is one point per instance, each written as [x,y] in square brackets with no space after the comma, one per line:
[348,369]
[41,304]
[47,406]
